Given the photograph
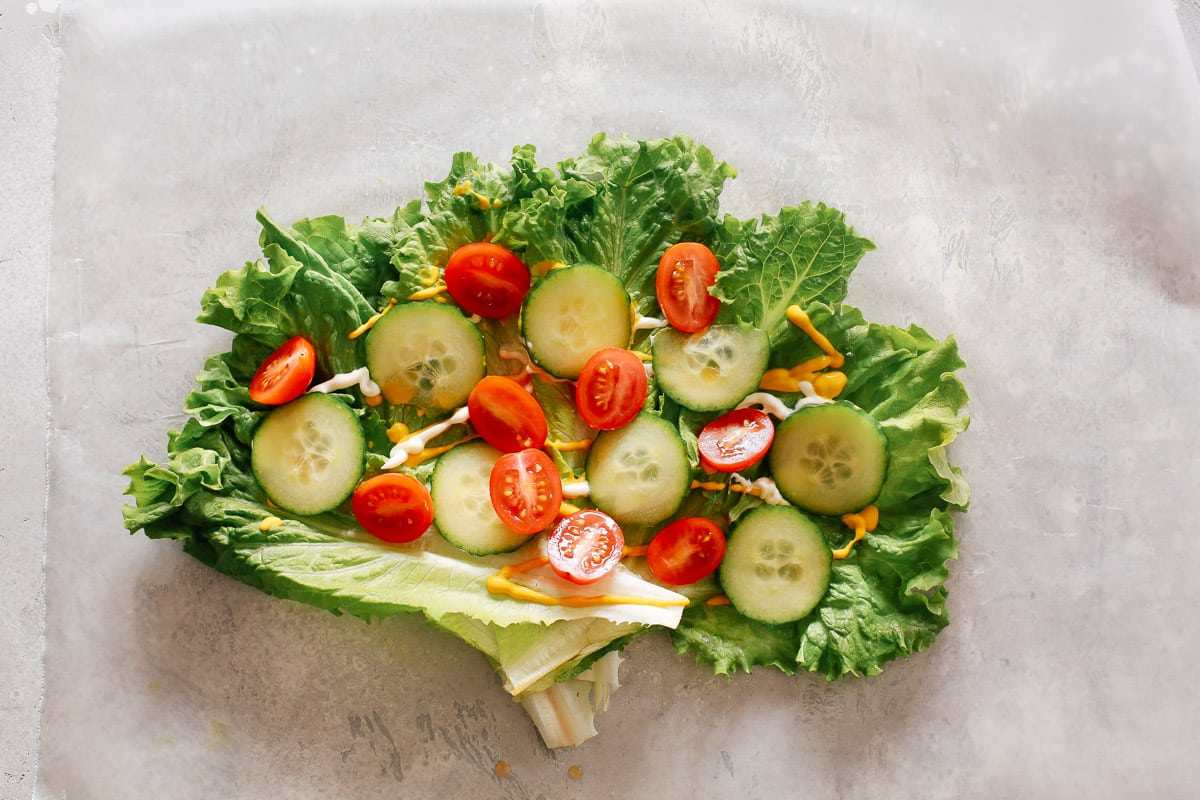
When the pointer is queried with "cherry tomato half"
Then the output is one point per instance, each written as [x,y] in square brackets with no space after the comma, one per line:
[685,272]
[526,490]
[611,388]
[735,440]
[285,374]
[585,546]
[686,550]
[487,279]
[507,416]
[393,507]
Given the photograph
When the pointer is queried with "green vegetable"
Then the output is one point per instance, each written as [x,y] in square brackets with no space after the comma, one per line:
[361,253]
[804,253]
[621,204]
[472,203]
[617,206]
[293,293]
[888,598]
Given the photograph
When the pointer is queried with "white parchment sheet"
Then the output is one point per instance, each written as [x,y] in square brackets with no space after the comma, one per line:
[1030,174]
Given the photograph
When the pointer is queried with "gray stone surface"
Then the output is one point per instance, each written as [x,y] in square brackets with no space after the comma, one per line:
[28,84]
[1031,182]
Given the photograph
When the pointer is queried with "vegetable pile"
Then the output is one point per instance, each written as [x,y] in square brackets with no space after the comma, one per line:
[555,408]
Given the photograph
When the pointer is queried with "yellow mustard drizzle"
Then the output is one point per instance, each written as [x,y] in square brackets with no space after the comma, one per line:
[397,433]
[370,323]
[430,293]
[717,600]
[543,267]
[779,380]
[798,317]
[429,274]
[566,509]
[569,447]
[465,188]
[270,524]
[812,365]
[826,384]
[501,583]
[736,488]
[861,523]
[434,452]
[829,384]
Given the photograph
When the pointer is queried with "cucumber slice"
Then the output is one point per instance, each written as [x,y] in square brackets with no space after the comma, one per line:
[308,455]
[776,566]
[639,474]
[462,502]
[829,458]
[711,370]
[425,354]
[571,314]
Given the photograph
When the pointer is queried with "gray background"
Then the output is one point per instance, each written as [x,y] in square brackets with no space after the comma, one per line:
[1029,175]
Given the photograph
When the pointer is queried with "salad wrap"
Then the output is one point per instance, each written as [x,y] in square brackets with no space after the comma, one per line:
[605,219]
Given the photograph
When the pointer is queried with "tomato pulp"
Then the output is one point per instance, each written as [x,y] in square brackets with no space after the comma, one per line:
[686,550]
[585,546]
[285,374]
[685,273]
[736,440]
[507,416]
[487,279]
[611,389]
[393,507]
[526,490]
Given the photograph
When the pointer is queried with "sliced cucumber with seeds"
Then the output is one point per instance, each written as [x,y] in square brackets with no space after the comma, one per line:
[572,313]
[462,502]
[776,566]
[308,455]
[425,354]
[711,370]
[639,474]
[830,458]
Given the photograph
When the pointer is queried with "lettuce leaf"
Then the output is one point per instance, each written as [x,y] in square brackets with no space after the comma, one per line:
[295,292]
[361,253]
[471,204]
[617,205]
[888,598]
[803,254]
[620,204]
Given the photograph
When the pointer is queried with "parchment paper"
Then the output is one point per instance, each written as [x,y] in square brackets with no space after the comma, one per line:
[1030,177]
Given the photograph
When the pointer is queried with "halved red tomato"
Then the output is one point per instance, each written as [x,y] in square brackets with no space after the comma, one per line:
[526,490]
[611,388]
[285,374]
[685,272]
[585,546]
[735,440]
[487,279]
[507,416]
[393,507]
[686,550]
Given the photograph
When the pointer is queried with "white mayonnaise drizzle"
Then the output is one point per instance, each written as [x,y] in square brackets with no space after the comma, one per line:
[344,380]
[416,442]
[648,323]
[776,407]
[763,488]
[573,489]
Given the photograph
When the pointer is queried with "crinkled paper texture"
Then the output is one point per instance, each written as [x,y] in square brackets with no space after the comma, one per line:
[1028,173]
